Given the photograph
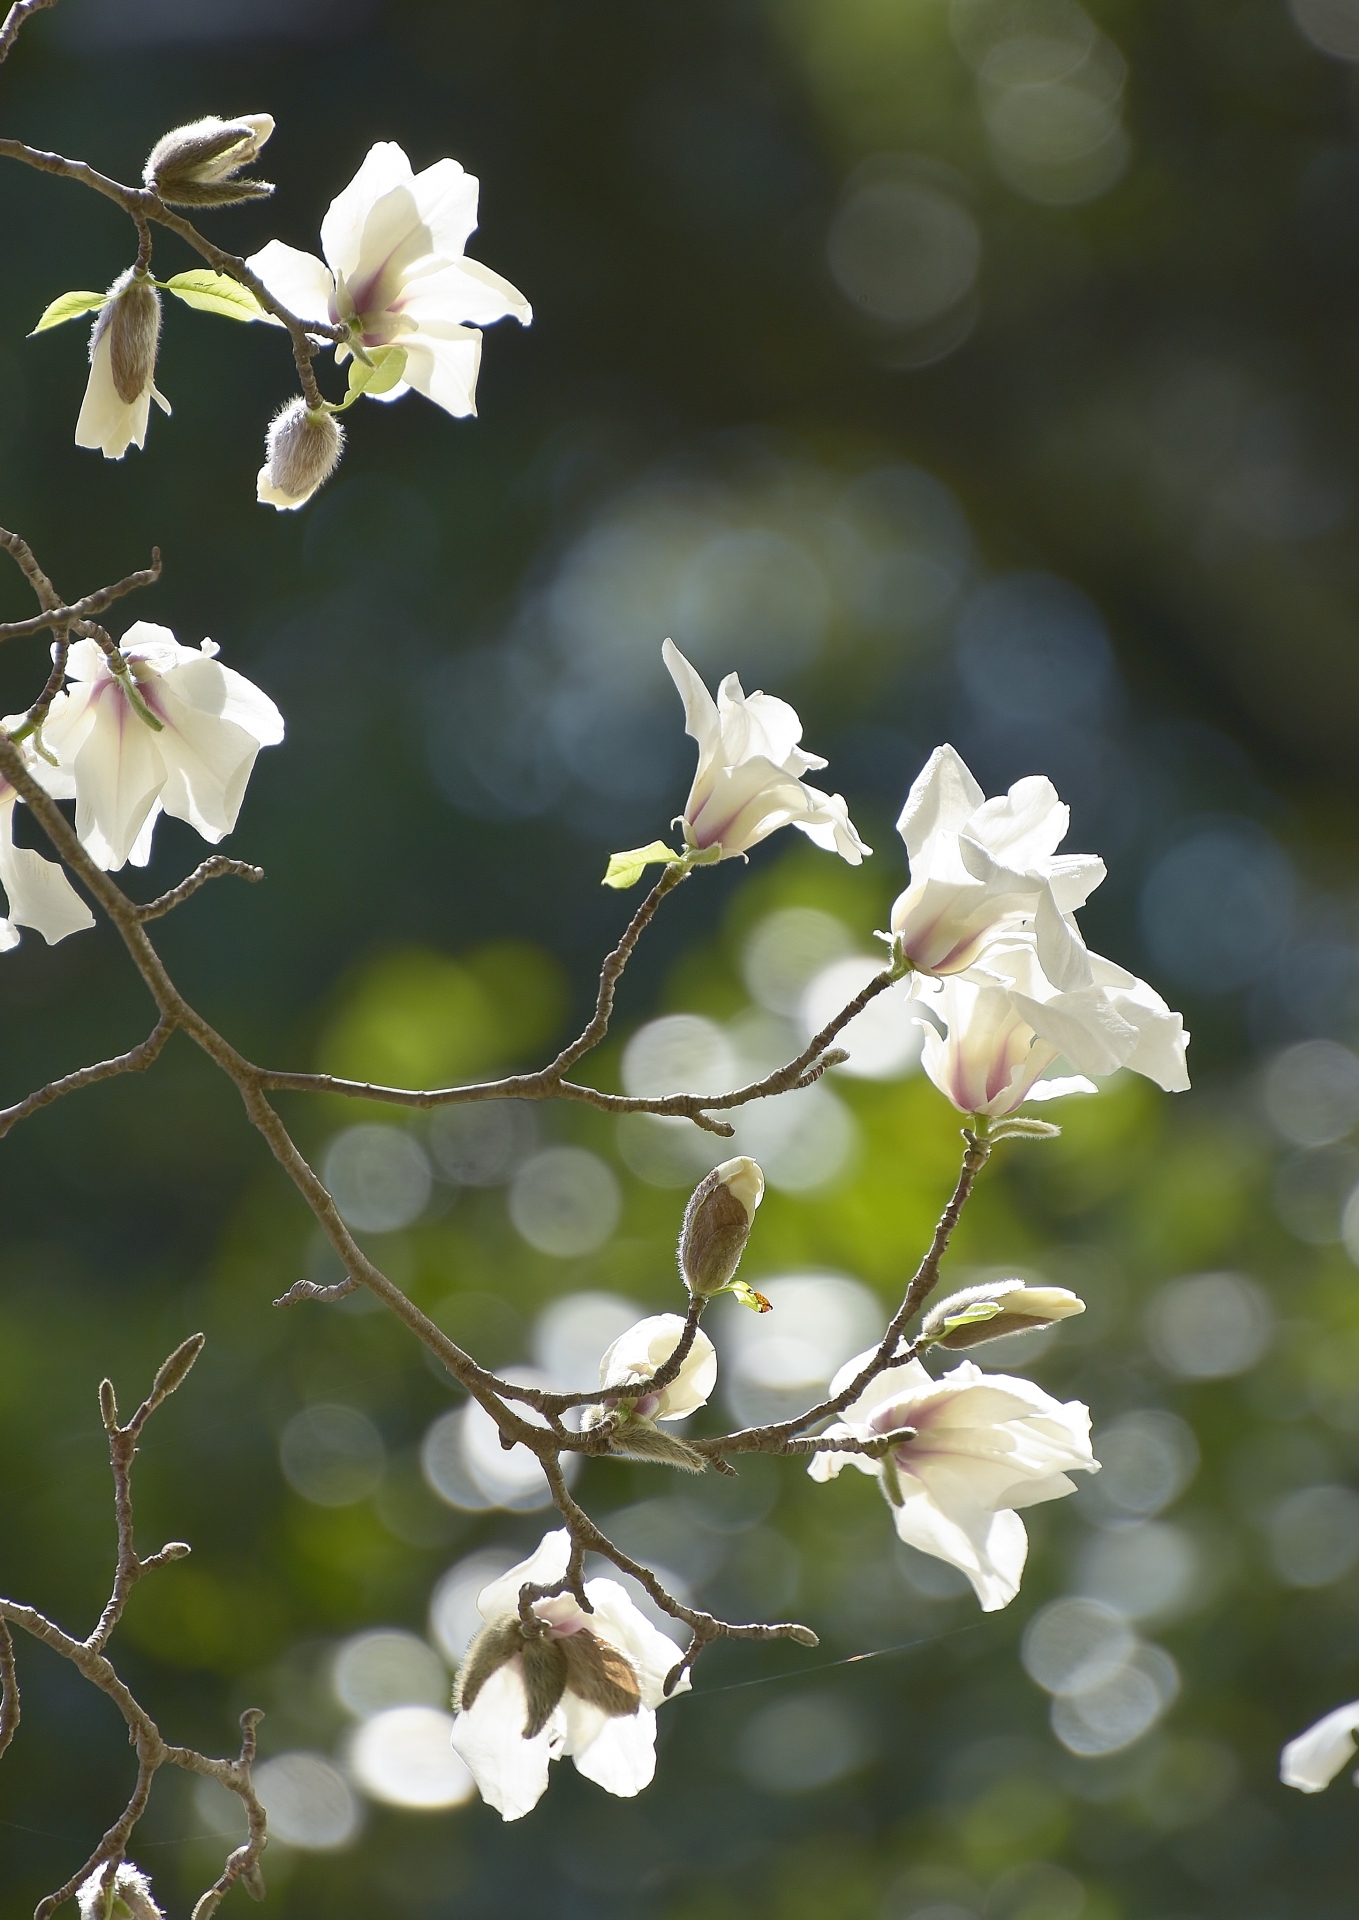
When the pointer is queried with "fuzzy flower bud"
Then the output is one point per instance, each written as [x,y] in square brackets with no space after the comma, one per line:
[998,1307]
[122,381]
[301,453]
[717,1223]
[131,1895]
[196,166]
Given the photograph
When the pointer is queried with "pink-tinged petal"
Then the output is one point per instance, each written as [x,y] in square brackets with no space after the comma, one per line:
[510,1771]
[119,773]
[345,230]
[547,1562]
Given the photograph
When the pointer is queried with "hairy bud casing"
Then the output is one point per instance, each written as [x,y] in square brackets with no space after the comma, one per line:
[196,165]
[717,1223]
[600,1675]
[543,1660]
[121,1893]
[489,1651]
[639,1439]
[963,1320]
[131,321]
[301,453]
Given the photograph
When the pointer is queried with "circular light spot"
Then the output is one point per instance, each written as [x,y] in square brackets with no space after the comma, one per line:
[1314,1535]
[787,950]
[1073,1645]
[1149,1570]
[902,251]
[1312,1190]
[777,1364]
[331,1455]
[1146,1461]
[667,1152]
[679,1054]
[444,1465]
[1217,909]
[453,1618]
[1312,1093]
[565,1201]
[308,1802]
[802,1140]
[1210,1326]
[799,1745]
[379,1177]
[510,1478]
[572,1335]
[404,1758]
[1110,1716]
[1332,26]
[387,1668]
[883,1042]
[753,595]
[480,1144]
[1032,647]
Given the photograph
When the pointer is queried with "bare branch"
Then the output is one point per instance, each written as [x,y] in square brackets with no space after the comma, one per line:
[313,1290]
[9,1688]
[85,609]
[136,1060]
[21,11]
[216,867]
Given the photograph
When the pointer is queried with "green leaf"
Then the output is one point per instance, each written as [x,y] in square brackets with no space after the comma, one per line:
[379,373]
[214,293]
[967,1316]
[626,869]
[70,306]
[739,1290]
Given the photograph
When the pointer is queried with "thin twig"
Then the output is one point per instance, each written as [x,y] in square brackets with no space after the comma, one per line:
[9,1688]
[136,1060]
[214,868]
[85,609]
[21,11]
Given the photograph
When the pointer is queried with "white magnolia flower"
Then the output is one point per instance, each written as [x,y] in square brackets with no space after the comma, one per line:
[194,765]
[1006,1024]
[750,766]
[122,382]
[638,1354]
[39,894]
[596,1700]
[980,868]
[1312,1761]
[395,274]
[985,1444]
[130,1885]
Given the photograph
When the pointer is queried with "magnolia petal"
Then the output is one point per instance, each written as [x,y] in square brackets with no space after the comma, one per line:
[39,894]
[990,1548]
[547,1562]
[345,231]
[298,281]
[107,422]
[119,773]
[1314,1758]
[444,366]
[942,799]
[653,1654]
[510,1771]
[465,291]
[621,1757]
[637,1354]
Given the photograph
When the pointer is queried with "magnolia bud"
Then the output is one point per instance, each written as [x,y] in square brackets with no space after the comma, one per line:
[131,320]
[195,166]
[121,1894]
[301,453]
[990,1311]
[717,1223]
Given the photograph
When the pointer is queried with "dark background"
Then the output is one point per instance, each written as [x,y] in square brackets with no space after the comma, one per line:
[857,369]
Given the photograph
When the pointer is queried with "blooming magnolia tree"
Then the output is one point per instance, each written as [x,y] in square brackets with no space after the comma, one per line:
[984,933]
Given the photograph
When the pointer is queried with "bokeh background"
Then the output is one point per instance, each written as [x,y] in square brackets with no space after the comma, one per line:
[969,369]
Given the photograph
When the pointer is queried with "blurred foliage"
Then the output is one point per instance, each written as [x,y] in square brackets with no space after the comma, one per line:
[1150,392]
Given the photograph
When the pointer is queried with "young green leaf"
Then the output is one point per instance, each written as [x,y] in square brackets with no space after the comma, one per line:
[379,373]
[626,869]
[214,293]
[69,306]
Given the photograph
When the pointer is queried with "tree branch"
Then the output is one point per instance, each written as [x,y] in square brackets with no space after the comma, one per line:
[59,616]
[136,1060]
[213,868]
